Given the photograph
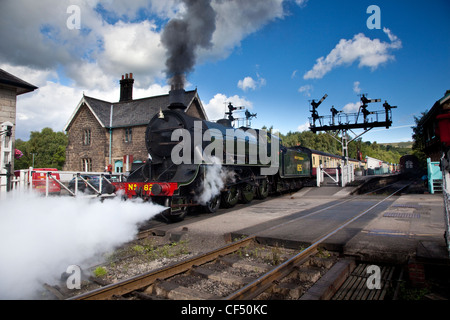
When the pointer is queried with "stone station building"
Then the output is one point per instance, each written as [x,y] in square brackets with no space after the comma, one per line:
[103,133]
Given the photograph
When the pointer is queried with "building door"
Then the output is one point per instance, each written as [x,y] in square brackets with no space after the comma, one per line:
[118,166]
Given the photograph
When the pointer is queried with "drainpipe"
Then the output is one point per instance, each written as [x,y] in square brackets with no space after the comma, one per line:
[110,134]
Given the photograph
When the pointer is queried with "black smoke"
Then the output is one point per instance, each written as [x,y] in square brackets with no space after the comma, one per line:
[182,36]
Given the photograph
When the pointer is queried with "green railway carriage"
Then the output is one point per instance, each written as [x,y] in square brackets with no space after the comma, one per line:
[295,162]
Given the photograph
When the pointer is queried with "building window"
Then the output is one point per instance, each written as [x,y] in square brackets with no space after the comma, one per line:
[87,137]
[128,134]
[86,164]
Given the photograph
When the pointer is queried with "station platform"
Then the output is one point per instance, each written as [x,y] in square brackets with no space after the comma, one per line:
[400,228]
[412,227]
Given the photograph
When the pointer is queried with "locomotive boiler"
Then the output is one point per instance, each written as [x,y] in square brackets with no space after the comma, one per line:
[195,163]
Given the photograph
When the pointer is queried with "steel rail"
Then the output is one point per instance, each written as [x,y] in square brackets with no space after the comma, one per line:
[253,289]
[148,278]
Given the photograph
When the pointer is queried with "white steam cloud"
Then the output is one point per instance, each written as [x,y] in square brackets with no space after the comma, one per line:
[40,237]
[215,178]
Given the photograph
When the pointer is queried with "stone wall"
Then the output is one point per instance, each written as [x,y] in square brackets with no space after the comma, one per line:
[77,149]
[135,146]
[8,112]
[98,148]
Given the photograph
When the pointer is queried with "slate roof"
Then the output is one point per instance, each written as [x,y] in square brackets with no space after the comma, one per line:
[21,86]
[129,113]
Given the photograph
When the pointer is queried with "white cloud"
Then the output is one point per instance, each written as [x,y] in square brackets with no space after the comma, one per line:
[33,76]
[301,3]
[294,74]
[351,107]
[217,106]
[133,47]
[306,90]
[53,103]
[369,53]
[249,83]
[114,39]
[112,34]
[356,87]
[303,127]
[237,19]
[49,106]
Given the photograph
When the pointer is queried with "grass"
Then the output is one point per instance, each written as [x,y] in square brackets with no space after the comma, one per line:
[149,250]
[100,272]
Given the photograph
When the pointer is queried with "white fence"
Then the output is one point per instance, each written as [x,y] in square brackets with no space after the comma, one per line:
[348,174]
[342,176]
[74,182]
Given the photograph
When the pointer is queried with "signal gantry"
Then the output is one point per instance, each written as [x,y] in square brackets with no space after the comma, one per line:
[340,122]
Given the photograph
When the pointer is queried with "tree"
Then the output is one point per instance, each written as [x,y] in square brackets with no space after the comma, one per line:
[324,142]
[419,141]
[48,147]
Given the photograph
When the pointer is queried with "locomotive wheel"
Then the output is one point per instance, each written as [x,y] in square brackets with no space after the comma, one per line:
[230,197]
[262,191]
[247,193]
[212,205]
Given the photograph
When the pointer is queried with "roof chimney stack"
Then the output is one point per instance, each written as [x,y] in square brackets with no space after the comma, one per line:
[126,87]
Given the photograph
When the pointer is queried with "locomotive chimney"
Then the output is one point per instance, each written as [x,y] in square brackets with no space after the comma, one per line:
[177,93]
[126,88]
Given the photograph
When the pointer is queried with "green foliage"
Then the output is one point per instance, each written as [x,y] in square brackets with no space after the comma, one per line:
[156,252]
[419,141]
[48,147]
[326,143]
[100,272]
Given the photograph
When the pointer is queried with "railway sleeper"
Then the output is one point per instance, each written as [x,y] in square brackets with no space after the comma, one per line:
[294,285]
[249,265]
[306,274]
[226,278]
[319,262]
[174,291]
[284,290]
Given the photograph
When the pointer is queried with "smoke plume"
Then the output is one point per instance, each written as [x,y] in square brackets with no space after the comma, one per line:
[40,237]
[182,36]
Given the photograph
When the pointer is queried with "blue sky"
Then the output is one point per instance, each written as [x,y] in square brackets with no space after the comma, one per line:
[270,56]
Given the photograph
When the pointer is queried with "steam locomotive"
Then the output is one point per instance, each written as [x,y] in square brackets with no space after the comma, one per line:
[181,175]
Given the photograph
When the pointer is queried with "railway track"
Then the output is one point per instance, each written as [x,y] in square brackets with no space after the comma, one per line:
[226,273]
[213,275]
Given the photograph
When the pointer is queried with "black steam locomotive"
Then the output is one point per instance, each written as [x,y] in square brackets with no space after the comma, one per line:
[195,163]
